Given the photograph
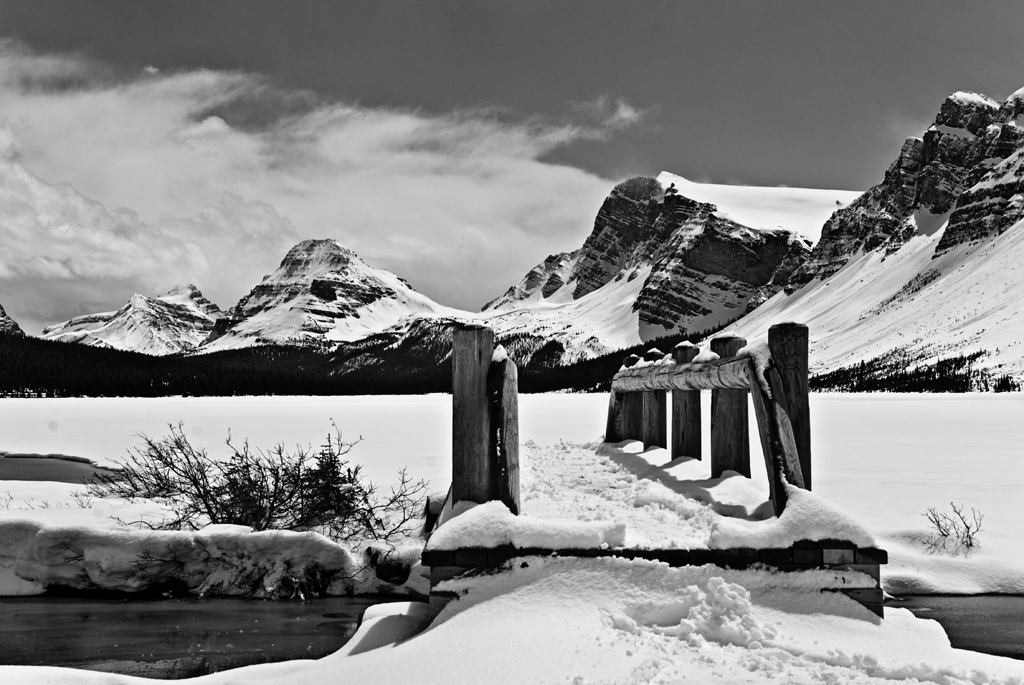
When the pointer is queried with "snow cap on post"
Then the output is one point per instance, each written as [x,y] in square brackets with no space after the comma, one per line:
[653,355]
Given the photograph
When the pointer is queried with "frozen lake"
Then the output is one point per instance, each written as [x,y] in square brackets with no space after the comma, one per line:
[886,458]
[937,448]
[397,430]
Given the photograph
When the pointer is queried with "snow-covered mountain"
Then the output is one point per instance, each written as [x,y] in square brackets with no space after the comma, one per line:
[321,292]
[176,322]
[925,264]
[9,326]
[659,261]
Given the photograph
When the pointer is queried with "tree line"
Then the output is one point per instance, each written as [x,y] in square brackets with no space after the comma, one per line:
[31,367]
[896,372]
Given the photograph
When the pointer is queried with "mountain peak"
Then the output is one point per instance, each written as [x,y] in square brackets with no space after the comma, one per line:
[640,189]
[316,256]
[190,296]
[322,291]
[176,322]
[969,111]
[187,289]
[971,98]
[9,326]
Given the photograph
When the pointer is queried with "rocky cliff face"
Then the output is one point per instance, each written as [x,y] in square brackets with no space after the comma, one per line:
[9,326]
[925,265]
[541,281]
[176,322]
[322,291]
[965,168]
[698,269]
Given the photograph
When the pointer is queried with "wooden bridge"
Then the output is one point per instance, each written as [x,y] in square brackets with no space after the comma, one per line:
[485,442]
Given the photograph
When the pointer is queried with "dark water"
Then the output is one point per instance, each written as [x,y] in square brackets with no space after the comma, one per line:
[54,469]
[993,624]
[169,638]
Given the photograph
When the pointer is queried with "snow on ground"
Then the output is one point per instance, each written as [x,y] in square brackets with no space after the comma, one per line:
[884,458]
[881,457]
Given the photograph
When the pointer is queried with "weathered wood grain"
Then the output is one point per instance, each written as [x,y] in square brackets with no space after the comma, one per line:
[472,348]
[613,427]
[730,437]
[632,415]
[778,443]
[723,373]
[503,391]
[654,432]
[789,343]
[685,410]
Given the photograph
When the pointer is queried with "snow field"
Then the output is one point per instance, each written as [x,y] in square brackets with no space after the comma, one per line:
[883,458]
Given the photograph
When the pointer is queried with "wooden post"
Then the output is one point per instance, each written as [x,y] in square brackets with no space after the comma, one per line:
[788,343]
[777,439]
[632,408]
[654,431]
[730,438]
[503,388]
[613,428]
[685,410]
[472,348]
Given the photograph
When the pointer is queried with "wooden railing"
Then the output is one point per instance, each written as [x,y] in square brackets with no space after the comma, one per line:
[778,389]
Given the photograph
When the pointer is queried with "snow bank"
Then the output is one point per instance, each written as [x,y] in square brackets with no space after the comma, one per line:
[806,517]
[493,525]
[225,560]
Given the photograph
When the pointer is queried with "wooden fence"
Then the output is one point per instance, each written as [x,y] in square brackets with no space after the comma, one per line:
[638,407]
[485,446]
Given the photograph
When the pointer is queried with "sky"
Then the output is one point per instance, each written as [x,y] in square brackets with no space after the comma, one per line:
[145,145]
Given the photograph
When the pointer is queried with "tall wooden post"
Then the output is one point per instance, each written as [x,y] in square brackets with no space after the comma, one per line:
[632,409]
[654,432]
[503,388]
[788,343]
[685,410]
[730,439]
[472,348]
[777,439]
[613,428]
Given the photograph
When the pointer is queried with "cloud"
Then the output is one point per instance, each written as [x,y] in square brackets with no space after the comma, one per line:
[144,181]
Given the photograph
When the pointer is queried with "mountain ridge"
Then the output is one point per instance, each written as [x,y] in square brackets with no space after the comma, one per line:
[923,266]
[178,321]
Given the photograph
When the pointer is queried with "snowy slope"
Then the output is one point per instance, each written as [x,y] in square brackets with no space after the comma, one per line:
[924,265]
[176,322]
[964,301]
[802,209]
[600,322]
[322,291]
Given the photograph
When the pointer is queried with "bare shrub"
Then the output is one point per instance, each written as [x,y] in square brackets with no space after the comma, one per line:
[954,534]
[276,489]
